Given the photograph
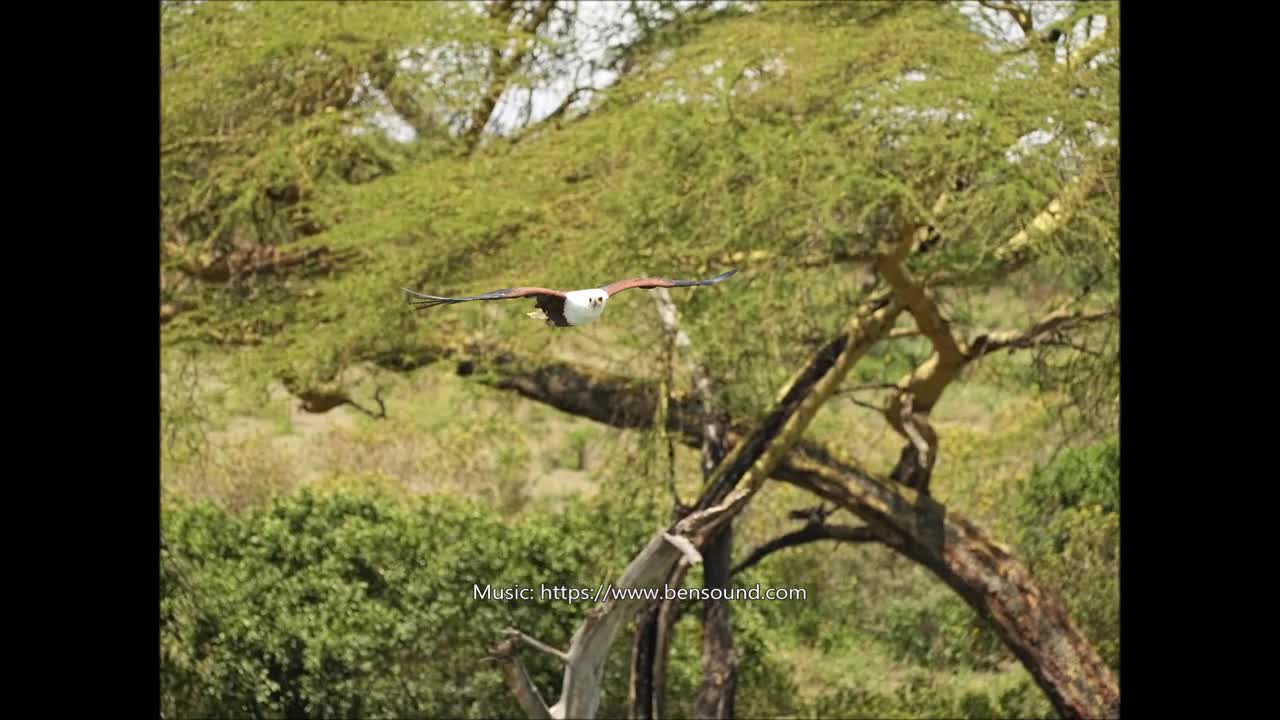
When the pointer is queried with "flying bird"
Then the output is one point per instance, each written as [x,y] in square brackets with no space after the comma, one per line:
[560,308]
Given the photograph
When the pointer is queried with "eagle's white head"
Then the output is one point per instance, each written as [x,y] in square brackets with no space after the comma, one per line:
[583,307]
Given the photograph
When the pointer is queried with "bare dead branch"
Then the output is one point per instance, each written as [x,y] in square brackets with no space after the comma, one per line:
[518,680]
[536,645]
[580,694]
[666,620]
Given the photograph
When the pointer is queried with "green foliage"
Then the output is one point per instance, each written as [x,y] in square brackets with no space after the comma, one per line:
[1070,519]
[350,604]
[942,632]
[918,698]
[260,101]
[1080,479]
[800,132]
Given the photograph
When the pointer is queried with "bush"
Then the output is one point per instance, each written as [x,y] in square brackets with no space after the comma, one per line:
[941,632]
[920,698]
[352,604]
[1070,531]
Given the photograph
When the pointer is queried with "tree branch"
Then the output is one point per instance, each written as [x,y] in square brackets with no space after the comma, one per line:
[1058,321]
[912,295]
[760,452]
[1015,251]
[536,645]
[518,680]
[907,410]
[810,533]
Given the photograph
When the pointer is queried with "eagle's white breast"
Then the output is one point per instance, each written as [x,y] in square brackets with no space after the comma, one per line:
[579,309]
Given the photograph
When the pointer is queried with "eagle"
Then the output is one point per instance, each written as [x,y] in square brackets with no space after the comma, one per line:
[559,308]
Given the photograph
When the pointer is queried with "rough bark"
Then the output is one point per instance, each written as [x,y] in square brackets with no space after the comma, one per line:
[715,698]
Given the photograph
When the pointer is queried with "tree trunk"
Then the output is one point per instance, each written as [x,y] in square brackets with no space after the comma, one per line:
[719,664]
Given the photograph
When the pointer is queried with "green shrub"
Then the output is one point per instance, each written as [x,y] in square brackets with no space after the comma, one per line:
[940,632]
[921,698]
[352,604]
[1069,518]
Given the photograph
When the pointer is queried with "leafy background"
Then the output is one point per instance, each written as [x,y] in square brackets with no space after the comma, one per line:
[322,563]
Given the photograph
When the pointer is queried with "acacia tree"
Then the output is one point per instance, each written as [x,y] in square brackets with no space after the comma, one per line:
[872,168]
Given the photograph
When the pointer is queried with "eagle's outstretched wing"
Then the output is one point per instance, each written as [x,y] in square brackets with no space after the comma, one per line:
[651,282]
[420,301]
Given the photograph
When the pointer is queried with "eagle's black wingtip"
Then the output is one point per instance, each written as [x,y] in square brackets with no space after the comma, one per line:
[421,302]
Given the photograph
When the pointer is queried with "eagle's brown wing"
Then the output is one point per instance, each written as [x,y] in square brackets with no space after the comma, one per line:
[420,301]
[549,301]
[652,282]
